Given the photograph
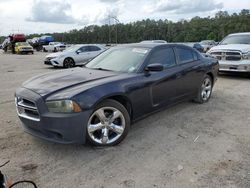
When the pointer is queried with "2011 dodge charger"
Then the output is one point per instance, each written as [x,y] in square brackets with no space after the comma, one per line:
[99,101]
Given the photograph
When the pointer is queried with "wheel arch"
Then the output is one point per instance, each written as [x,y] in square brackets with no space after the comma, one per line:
[122,99]
[212,76]
[68,57]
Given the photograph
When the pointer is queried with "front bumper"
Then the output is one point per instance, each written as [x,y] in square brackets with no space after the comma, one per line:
[26,50]
[55,127]
[57,62]
[235,66]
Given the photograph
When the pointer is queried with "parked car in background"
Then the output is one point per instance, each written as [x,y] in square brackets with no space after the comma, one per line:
[54,46]
[23,47]
[123,84]
[75,55]
[198,47]
[233,53]
[38,42]
[207,44]
[153,41]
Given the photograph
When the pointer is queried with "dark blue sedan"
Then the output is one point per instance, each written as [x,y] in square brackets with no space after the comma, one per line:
[99,102]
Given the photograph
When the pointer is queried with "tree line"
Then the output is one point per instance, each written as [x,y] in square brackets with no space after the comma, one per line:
[196,29]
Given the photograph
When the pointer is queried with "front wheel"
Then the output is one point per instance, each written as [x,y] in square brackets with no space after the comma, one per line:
[109,124]
[68,63]
[205,90]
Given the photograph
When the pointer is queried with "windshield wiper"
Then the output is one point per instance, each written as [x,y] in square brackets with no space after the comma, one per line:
[99,68]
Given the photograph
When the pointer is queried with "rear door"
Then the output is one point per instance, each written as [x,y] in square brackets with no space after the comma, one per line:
[94,51]
[191,71]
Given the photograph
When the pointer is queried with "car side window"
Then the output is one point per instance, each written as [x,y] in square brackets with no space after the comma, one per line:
[84,49]
[185,55]
[94,48]
[164,56]
[195,56]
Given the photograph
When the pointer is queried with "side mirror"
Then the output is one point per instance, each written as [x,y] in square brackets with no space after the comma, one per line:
[78,51]
[154,67]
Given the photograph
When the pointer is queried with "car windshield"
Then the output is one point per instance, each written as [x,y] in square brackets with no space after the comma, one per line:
[72,48]
[122,59]
[236,39]
[205,42]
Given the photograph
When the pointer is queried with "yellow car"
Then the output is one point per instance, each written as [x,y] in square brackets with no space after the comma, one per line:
[23,47]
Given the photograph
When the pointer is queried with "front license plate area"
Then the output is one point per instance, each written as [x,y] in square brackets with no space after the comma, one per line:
[233,67]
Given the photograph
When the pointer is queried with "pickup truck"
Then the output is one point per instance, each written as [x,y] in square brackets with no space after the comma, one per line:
[233,53]
[54,46]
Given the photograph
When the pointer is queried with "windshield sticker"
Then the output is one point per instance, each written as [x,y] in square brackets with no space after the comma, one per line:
[140,50]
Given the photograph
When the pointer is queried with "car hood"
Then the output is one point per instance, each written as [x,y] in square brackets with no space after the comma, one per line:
[242,47]
[47,84]
[25,46]
[57,54]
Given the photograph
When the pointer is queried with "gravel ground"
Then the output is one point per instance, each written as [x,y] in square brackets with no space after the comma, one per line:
[189,145]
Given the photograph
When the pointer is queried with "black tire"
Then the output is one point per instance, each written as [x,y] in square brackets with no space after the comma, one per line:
[118,106]
[201,98]
[55,50]
[68,62]
[248,75]
[44,50]
[5,49]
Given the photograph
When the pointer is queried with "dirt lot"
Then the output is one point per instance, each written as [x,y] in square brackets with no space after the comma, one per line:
[159,151]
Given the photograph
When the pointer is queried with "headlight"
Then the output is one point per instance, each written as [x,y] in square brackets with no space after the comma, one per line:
[246,55]
[63,106]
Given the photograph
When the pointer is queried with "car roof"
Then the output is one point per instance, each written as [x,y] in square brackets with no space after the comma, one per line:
[79,45]
[151,45]
[243,33]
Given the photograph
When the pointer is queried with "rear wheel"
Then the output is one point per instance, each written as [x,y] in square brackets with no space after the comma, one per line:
[44,50]
[205,90]
[109,124]
[68,63]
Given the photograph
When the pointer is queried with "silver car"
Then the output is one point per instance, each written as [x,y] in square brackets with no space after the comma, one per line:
[75,55]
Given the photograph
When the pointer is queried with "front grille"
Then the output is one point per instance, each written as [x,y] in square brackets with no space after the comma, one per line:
[227,55]
[49,58]
[26,48]
[27,109]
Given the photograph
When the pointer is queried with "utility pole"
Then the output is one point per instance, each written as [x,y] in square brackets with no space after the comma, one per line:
[117,21]
[109,30]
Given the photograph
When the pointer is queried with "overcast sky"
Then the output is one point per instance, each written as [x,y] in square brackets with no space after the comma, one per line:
[40,16]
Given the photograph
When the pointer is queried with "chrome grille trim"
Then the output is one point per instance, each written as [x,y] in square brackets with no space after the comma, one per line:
[27,109]
[227,55]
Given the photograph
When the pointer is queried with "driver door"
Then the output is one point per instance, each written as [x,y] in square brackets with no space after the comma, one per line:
[163,87]
[82,55]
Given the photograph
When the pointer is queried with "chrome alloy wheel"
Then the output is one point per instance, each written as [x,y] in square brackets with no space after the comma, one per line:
[206,89]
[106,125]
